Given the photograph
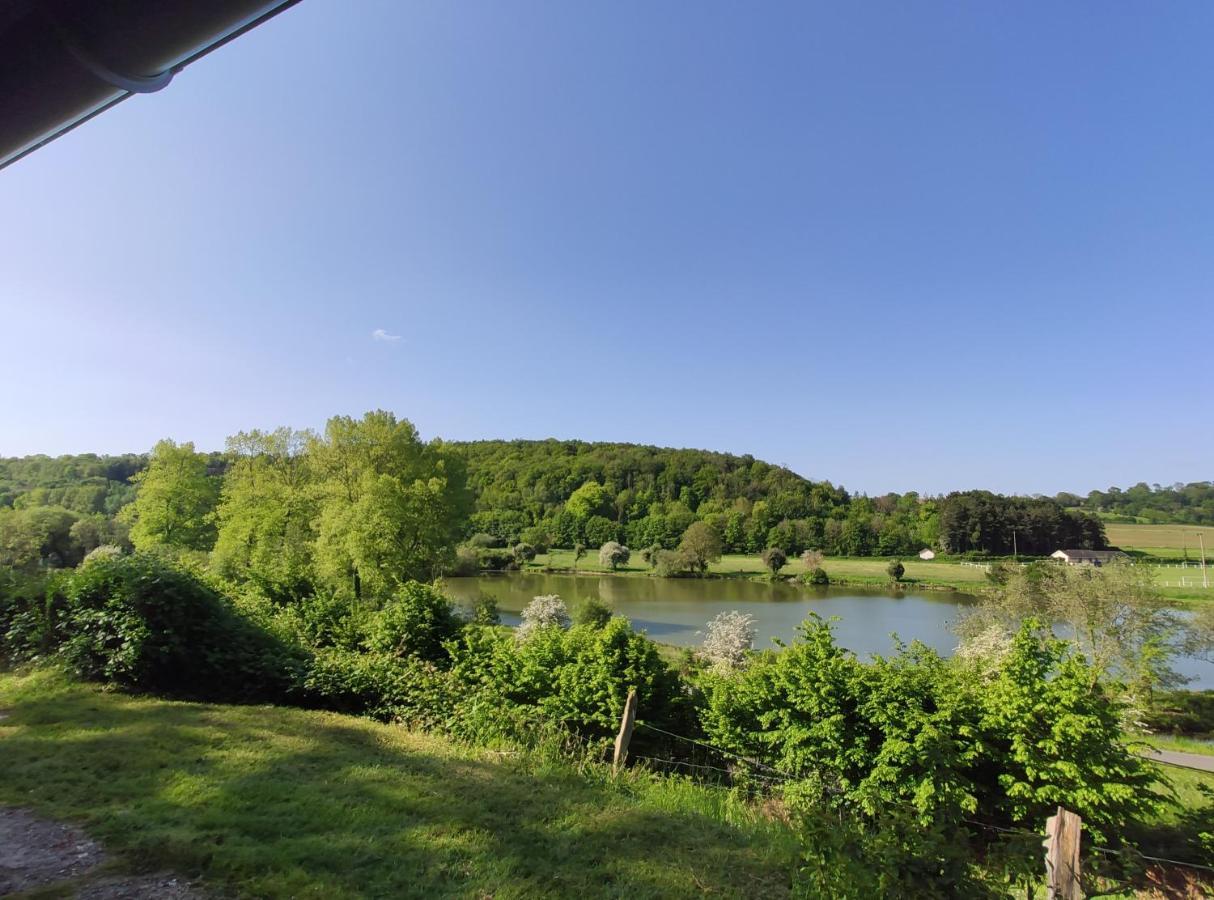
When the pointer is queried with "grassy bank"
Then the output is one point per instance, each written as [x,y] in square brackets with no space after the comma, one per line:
[291,803]
[942,574]
[1184,744]
[848,570]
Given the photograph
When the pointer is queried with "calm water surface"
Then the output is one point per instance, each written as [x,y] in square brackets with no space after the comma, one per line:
[675,611]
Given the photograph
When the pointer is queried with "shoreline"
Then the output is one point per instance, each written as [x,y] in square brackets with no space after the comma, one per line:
[971,588]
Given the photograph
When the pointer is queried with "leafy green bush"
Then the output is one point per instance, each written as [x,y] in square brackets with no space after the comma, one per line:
[1053,733]
[141,622]
[414,622]
[1181,712]
[579,677]
[326,619]
[538,536]
[599,530]
[387,687]
[29,614]
[467,562]
[591,611]
[496,559]
[926,734]
[671,563]
[774,558]
[482,610]
[816,576]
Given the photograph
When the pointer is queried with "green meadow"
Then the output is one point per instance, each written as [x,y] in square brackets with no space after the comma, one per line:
[277,802]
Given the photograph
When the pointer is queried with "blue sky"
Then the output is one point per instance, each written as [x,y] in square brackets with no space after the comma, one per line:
[898,246]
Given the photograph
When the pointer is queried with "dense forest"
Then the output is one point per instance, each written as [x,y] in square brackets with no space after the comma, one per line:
[1188,504]
[540,493]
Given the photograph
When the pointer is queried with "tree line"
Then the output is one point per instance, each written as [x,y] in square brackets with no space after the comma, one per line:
[542,494]
[1188,504]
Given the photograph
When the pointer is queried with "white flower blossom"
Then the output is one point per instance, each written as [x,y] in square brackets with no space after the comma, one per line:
[730,637]
[543,612]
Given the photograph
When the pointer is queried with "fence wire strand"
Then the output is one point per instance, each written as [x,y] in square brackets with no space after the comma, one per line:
[723,752]
[784,777]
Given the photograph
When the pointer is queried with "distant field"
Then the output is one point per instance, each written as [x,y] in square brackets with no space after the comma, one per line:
[863,569]
[866,569]
[1174,583]
[1161,540]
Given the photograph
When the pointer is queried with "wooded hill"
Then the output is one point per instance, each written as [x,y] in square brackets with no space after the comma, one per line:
[1180,504]
[562,493]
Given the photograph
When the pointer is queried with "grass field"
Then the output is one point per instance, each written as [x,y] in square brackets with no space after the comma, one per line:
[1174,584]
[861,570]
[1183,744]
[290,803]
[1168,541]
[1166,545]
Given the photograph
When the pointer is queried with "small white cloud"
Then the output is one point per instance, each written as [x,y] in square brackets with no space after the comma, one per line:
[380,335]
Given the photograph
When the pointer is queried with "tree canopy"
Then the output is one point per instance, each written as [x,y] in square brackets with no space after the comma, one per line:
[174,501]
[559,494]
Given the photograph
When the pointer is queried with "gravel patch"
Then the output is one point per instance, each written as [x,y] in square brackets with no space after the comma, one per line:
[149,887]
[37,853]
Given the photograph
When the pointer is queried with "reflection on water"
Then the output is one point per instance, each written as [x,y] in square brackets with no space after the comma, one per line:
[675,610]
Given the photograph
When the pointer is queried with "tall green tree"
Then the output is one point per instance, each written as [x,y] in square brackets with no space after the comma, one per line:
[700,546]
[591,499]
[267,512]
[175,500]
[40,535]
[390,507]
[1113,616]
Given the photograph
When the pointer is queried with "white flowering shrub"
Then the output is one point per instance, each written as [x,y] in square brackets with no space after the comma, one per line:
[543,612]
[729,638]
[984,645]
[105,551]
[614,554]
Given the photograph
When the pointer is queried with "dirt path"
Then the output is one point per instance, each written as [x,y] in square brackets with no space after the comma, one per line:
[37,853]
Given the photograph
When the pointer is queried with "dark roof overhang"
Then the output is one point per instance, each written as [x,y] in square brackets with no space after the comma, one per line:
[64,61]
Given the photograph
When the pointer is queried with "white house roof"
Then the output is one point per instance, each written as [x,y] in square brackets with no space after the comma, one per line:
[1093,555]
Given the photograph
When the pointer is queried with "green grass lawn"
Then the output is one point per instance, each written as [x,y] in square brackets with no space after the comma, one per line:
[1169,545]
[853,570]
[1181,743]
[1168,541]
[1175,584]
[275,802]
[1167,835]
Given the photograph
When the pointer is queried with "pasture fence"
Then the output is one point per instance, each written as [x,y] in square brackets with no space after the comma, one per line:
[1061,837]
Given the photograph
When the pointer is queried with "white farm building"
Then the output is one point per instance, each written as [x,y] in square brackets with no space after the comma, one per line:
[1087,557]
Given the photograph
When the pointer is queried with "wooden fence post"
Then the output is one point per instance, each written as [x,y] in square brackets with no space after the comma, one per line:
[625,736]
[1063,831]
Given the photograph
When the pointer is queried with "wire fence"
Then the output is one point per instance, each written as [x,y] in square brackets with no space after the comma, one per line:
[771,777]
[779,777]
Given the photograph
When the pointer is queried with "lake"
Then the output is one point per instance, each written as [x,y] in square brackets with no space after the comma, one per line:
[676,610]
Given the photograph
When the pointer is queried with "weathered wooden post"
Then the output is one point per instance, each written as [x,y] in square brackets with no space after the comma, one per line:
[625,736]
[1063,830]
